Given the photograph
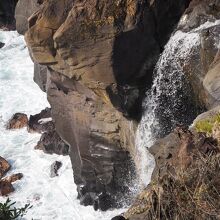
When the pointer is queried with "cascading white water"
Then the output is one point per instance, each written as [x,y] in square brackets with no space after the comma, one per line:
[169,100]
[51,198]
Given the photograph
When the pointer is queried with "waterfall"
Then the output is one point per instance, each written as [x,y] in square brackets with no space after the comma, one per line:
[170,100]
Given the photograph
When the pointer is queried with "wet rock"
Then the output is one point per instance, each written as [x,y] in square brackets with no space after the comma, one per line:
[1,45]
[41,122]
[6,186]
[54,168]
[51,143]
[203,65]
[13,177]
[17,121]
[4,167]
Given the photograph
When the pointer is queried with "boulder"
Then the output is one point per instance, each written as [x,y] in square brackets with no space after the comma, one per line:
[17,121]
[4,167]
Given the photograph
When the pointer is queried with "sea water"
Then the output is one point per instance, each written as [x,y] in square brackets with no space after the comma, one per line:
[51,198]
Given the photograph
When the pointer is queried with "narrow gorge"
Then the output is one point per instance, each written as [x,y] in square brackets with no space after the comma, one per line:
[134,95]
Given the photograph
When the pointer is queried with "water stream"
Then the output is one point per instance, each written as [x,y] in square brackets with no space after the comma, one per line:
[170,100]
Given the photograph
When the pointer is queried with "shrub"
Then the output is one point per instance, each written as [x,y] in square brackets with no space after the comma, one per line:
[9,212]
[206,125]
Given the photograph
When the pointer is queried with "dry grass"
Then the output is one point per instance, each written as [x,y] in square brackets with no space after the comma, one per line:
[193,194]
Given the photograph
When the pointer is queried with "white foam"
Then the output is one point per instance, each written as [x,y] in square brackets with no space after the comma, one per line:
[52,198]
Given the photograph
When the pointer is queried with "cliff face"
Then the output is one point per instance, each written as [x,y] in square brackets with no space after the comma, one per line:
[95,59]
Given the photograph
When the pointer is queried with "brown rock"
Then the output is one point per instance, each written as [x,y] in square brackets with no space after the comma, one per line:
[17,121]
[14,177]
[4,167]
[6,188]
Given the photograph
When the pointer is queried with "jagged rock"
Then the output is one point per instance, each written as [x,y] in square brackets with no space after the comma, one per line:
[4,167]
[41,122]
[54,168]
[24,9]
[51,143]
[100,55]
[6,186]
[17,121]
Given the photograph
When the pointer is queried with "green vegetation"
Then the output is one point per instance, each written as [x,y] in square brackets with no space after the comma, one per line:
[206,125]
[9,212]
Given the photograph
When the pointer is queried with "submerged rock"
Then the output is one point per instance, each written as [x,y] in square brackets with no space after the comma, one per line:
[54,168]
[1,45]
[17,121]
[4,167]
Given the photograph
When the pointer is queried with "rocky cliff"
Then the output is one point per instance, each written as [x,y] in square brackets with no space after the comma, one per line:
[95,59]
